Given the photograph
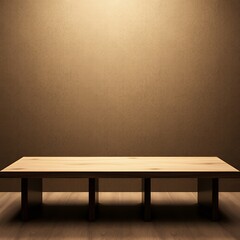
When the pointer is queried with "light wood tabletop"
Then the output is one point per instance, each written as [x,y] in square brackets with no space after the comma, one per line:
[120,165]
[32,170]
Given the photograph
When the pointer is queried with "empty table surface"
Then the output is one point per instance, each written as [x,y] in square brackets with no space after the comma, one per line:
[120,165]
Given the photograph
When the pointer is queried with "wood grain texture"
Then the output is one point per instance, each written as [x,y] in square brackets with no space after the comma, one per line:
[120,167]
[64,218]
[120,164]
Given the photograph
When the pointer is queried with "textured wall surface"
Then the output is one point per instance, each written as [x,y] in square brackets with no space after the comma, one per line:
[119,77]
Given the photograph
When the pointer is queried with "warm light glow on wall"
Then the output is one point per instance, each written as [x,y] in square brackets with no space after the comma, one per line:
[114,69]
[119,77]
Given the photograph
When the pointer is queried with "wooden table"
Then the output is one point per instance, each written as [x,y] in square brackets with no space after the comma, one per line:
[32,170]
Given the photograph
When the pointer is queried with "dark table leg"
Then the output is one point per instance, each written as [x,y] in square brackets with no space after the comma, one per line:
[31,189]
[146,196]
[208,197]
[93,198]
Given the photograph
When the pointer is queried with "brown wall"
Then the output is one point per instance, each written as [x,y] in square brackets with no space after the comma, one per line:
[119,77]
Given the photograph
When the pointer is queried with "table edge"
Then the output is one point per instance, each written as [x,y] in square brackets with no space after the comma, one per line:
[138,174]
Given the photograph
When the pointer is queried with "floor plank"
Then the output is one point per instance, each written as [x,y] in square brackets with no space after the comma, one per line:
[174,217]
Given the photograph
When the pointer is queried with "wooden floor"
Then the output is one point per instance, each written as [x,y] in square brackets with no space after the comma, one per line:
[174,217]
